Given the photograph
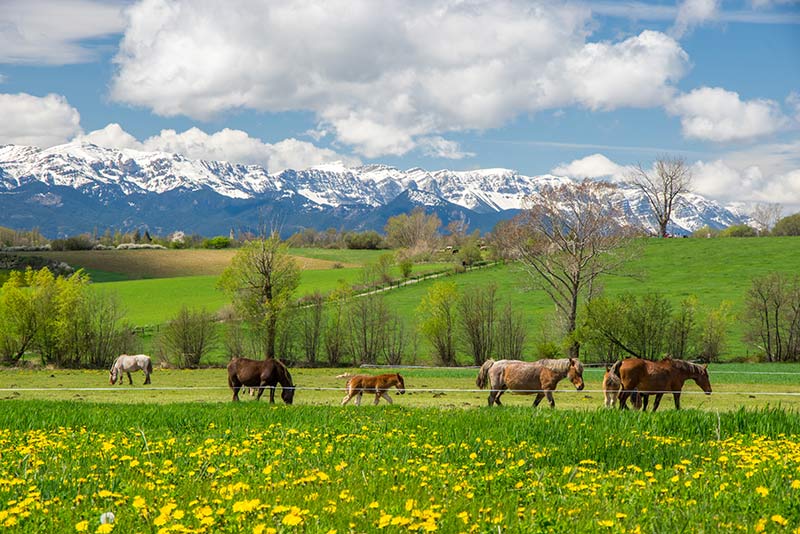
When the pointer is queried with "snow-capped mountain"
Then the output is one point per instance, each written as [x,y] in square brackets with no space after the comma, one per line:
[78,187]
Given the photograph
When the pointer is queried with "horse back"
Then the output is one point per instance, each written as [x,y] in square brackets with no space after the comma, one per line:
[522,376]
[645,375]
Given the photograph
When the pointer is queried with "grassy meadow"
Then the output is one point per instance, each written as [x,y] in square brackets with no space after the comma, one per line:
[153,285]
[249,467]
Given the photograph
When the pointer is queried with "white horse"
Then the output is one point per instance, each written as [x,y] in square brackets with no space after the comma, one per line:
[126,363]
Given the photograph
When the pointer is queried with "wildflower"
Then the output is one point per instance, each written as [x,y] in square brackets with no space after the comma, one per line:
[605,523]
[82,526]
[761,490]
[779,519]
[795,484]
[105,528]
[292,519]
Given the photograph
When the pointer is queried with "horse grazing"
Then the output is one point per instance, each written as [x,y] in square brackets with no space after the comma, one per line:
[260,374]
[657,378]
[526,378]
[126,363]
[378,384]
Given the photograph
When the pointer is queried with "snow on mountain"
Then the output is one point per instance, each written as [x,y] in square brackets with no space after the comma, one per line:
[105,173]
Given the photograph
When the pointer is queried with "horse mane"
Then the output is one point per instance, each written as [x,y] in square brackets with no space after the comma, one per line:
[284,376]
[559,365]
[684,365]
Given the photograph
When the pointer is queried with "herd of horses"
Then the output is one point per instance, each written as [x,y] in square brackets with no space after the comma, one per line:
[634,378]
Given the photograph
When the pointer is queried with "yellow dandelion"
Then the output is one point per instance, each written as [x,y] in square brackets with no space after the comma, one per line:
[138,502]
[795,484]
[779,519]
[81,526]
[104,493]
[605,523]
[292,519]
[105,528]
[761,490]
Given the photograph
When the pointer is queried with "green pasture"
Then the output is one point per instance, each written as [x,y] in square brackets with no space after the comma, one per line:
[249,467]
[735,386]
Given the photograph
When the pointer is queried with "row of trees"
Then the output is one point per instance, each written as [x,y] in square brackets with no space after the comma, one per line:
[61,319]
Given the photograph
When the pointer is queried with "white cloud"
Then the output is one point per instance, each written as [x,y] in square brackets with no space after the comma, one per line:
[40,121]
[438,147]
[234,146]
[384,77]
[54,31]
[594,166]
[714,114]
[692,13]
[767,173]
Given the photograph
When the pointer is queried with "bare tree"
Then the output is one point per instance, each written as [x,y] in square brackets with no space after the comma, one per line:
[476,313]
[417,232]
[566,237]
[669,178]
[511,333]
[188,337]
[310,325]
[765,215]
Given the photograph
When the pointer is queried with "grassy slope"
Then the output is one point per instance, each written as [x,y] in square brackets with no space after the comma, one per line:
[713,270]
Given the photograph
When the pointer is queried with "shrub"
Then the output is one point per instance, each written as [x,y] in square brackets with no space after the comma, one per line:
[739,230]
[217,243]
[187,338]
[788,225]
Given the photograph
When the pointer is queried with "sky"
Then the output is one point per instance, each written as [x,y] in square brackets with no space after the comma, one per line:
[578,88]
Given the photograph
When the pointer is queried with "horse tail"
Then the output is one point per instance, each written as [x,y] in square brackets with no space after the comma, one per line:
[483,374]
[615,368]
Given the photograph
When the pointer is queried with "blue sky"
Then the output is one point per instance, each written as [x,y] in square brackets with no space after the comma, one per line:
[577,88]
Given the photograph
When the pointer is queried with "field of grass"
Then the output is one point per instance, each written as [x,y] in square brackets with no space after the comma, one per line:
[735,386]
[713,270]
[249,467]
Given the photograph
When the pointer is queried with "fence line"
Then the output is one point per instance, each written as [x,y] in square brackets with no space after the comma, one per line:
[408,390]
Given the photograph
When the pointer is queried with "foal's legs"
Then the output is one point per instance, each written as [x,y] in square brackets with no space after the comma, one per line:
[623,399]
[385,395]
[358,398]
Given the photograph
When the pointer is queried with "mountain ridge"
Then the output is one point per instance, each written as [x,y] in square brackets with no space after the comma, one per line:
[78,186]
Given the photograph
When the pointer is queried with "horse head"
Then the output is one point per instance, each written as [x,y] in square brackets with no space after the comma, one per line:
[575,373]
[112,377]
[287,386]
[701,378]
[401,385]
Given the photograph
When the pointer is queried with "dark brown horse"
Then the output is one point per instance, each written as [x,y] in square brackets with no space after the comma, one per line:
[540,377]
[379,385]
[657,378]
[260,374]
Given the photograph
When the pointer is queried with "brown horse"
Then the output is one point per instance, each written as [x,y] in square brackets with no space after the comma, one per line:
[260,374]
[379,385]
[657,378]
[540,377]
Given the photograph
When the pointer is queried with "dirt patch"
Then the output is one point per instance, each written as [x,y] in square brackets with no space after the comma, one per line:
[161,263]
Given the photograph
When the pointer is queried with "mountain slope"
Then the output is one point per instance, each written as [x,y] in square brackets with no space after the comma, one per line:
[78,187]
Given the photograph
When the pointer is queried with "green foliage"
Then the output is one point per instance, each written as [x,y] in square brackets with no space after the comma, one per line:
[80,242]
[789,225]
[217,243]
[260,282]
[739,230]
[705,231]
[469,254]
[369,239]
[438,320]
[60,319]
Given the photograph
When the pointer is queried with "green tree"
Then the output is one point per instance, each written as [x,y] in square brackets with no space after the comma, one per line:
[260,281]
[788,225]
[438,320]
